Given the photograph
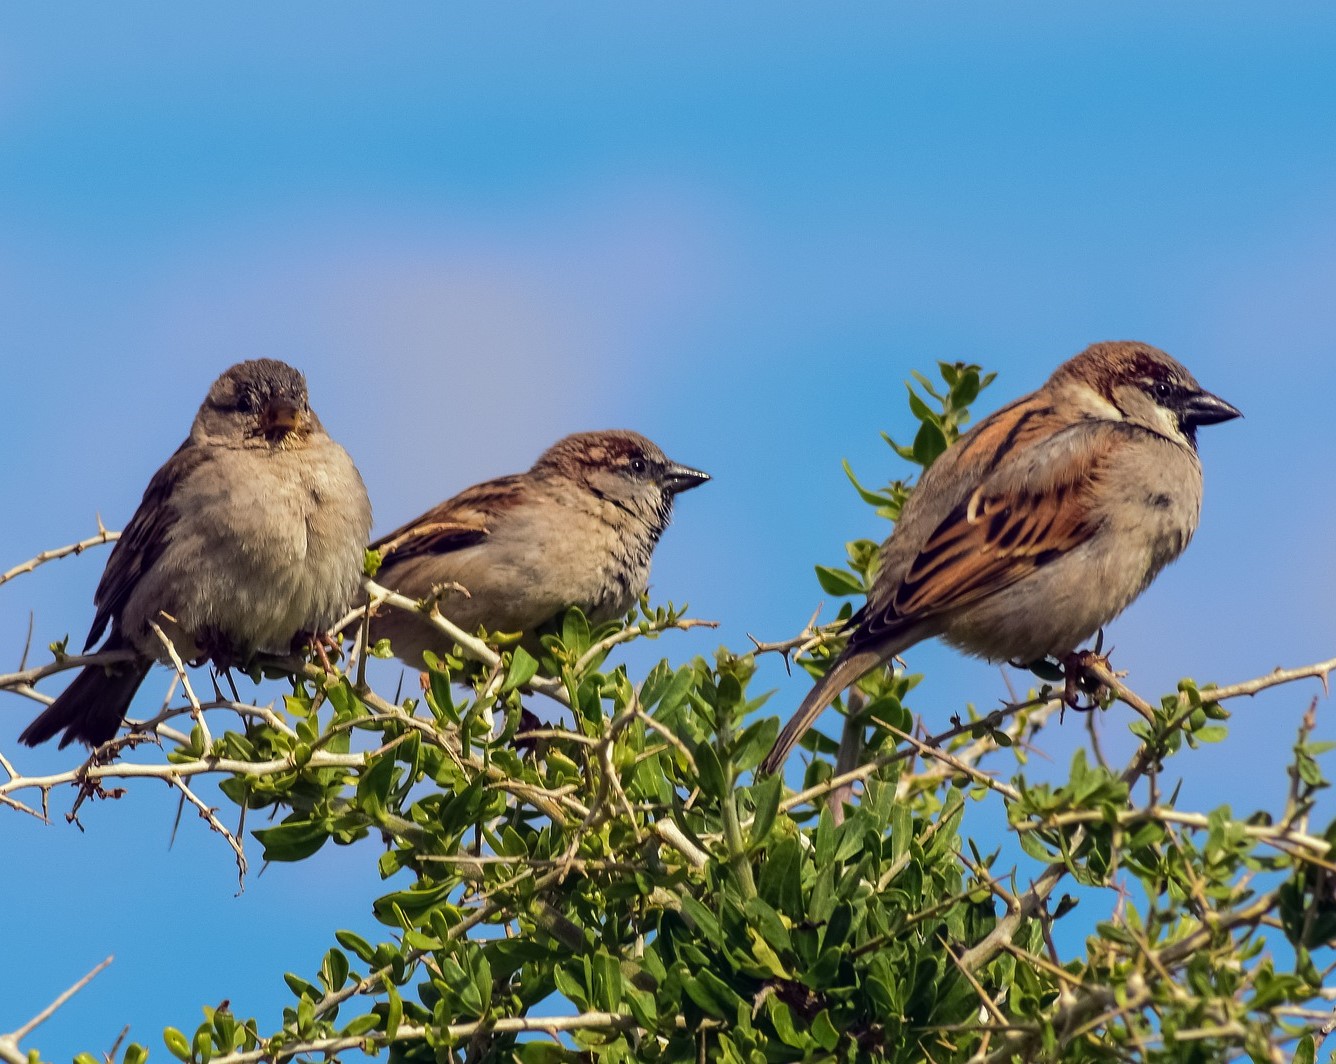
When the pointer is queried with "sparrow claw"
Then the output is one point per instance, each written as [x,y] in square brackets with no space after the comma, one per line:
[1078,680]
[319,644]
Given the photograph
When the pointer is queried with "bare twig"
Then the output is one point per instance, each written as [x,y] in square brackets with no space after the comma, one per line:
[103,536]
[15,681]
[9,1043]
[210,816]
[1319,671]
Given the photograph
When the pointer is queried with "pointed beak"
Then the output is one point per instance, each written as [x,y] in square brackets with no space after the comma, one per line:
[1207,409]
[680,478]
[281,417]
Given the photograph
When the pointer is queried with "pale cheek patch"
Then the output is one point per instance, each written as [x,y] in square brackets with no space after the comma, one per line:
[1167,423]
[1139,409]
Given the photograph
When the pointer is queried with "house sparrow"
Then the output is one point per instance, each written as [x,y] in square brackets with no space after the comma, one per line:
[577,529]
[249,538]
[1038,526]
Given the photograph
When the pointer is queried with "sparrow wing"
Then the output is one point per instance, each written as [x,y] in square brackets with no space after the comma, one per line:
[1028,511]
[460,522]
[144,538]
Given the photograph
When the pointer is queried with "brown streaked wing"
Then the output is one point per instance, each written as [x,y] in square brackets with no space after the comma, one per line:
[459,522]
[143,540]
[1016,426]
[991,540]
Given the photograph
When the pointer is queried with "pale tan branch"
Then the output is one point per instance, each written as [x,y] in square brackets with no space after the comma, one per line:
[9,1043]
[471,645]
[626,635]
[811,637]
[1316,848]
[103,536]
[960,765]
[991,721]
[27,677]
[211,818]
[603,1021]
[195,711]
[1320,671]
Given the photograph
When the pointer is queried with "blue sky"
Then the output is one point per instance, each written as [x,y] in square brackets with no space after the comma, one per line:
[736,229]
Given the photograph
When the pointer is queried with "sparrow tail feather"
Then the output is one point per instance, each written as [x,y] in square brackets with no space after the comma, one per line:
[848,668]
[92,707]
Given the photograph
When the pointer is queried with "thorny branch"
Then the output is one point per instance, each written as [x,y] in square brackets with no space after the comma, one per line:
[89,776]
[103,536]
[1078,1010]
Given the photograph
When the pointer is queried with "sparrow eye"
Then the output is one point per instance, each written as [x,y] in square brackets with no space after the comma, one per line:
[638,465]
[1161,390]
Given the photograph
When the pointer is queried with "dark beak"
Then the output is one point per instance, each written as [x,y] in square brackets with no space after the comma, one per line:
[281,417]
[680,478]
[1207,409]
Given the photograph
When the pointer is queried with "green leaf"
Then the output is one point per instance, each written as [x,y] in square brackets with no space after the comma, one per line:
[766,794]
[1211,733]
[703,918]
[608,980]
[768,923]
[754,742]
[357,944]
[523,668]
[823,1030]
[929,442]
[839,582]
[712,780]
[575,631]
[361,1025]
[300,986]
[394,1013]
[334,970]
[765,956]
[712,994]
[919,408]
[176,1043]
[293,840]
[872,498]
[373,788]
[677,691]
[781,877]
[414,904]
[967,388]
[782,1018]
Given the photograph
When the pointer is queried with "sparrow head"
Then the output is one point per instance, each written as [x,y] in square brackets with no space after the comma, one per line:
[1146,387]
[263,400]
[624,468]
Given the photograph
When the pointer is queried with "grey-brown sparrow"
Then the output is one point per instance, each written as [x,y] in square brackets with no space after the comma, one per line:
[1038,526]
[577,529]
[249,538]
